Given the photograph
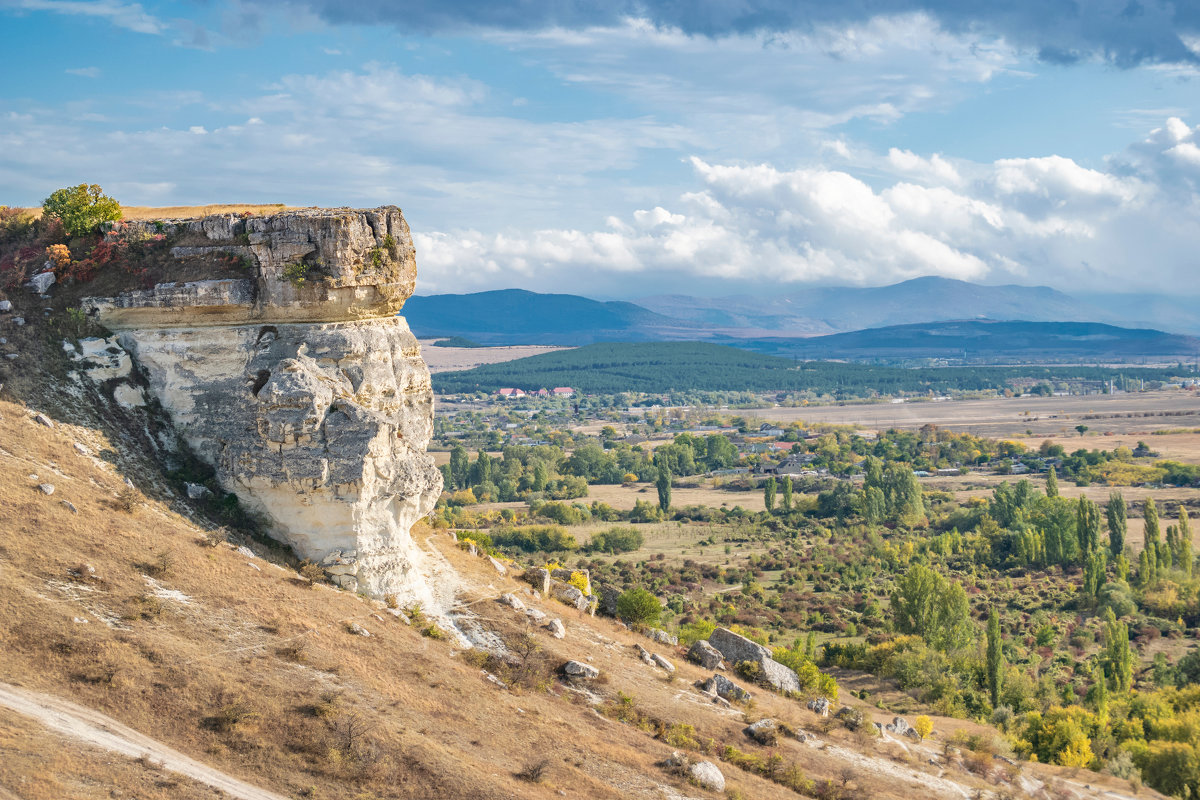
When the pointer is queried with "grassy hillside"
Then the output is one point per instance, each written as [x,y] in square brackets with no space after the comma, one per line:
[684,366]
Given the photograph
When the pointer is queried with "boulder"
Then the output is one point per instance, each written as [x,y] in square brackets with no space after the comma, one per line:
[538,578]
[46,488]
[5,306]
[535,614]
[608,599]
[18,321]
[41,282]
[911,733]
[357,630]
[566,593]
[852,718]
[196,492]
[663,663]
[511,600]
[556,628]
[565,575]
[898,726]
[780,678]
[765,731]
[820,705]
[725,688]
[577,669]
[496,565]
[707,775]
[662,637]
[737,648]
[644,654]
[704,654]
[42,419]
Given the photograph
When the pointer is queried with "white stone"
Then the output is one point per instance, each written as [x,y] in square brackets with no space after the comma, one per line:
[512,601]
[5,306]
[82,450]
[577,669]
[707,775]
[18,321]
[42,419]
[41,282]
[497,565]
[46,488]
[556,628]
[129,396]
[663,663]
[196,492]
[357,630]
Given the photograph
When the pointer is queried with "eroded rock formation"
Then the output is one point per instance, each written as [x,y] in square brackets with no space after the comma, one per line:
[298,383]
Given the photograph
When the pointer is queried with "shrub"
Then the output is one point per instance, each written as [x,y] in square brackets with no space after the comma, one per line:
[310,573]
[638,607]
[81,208]
[924,726]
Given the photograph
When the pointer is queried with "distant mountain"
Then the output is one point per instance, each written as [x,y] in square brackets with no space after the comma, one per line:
[841,308]
[974,340]
[515,316]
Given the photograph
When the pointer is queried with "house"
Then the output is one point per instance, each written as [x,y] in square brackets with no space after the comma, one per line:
[543,392]
[947,471]
[792,465]
[510,394]
[769,430]
[563,391]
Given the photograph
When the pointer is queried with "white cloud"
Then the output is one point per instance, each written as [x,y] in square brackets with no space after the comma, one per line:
[123,15]
[84,72]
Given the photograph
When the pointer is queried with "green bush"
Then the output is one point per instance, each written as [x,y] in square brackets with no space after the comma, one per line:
[82,208]
[638,607]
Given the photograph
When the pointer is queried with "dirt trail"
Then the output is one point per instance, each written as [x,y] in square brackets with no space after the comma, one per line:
[100,730]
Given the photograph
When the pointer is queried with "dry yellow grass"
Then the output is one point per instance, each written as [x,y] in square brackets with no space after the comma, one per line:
[183,212]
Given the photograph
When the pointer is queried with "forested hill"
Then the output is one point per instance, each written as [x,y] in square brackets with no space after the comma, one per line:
[687,366]
[515,316]
[987,339]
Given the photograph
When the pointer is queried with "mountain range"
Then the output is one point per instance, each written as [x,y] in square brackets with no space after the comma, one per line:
[516,316]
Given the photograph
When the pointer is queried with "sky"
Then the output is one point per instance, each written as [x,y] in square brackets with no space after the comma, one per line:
[622,149]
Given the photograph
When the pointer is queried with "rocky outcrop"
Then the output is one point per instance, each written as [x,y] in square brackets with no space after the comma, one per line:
[298,384]
[737,649]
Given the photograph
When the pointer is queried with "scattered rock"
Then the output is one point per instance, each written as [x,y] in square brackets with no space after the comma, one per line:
[18,321]
[663,663]
[41,282]
[662,637]
[68,505]
[737,648]
[83,451]
[197,492]
[12,356]
[5,306]
[820,705]
[42,419]
[644,654]
[538,578]
[852,718]
[765,731]
[79,620]
[497,565]
[46,488]
[512,601]
[469,546]
[911,733]
[577,669]
[253,566]
[129,396]
[556,628]
[536,614]
[356,629]
[707,775]
[705,655]
[566,593]
[608,599]
[245,551]
[723,687]
[565,575]
[898,726]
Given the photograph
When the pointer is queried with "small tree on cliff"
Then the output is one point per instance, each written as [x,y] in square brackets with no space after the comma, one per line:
[81,208]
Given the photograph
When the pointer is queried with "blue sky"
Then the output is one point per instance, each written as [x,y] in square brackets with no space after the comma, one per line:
[623,149]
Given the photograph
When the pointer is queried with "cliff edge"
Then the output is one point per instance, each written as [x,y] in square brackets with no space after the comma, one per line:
[297,383]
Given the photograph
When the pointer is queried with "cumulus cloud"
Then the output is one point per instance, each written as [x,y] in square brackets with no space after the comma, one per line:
[1119,31]
[754,225]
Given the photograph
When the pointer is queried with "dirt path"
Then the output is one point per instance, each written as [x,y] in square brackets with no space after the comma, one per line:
[100,730]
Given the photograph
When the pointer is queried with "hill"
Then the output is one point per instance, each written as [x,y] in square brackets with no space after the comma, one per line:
[685,366]
[988,340]
[515,316]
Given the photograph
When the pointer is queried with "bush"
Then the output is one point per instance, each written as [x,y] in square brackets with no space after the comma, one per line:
[82,208]
[615,541]
[638,607]
[924,726]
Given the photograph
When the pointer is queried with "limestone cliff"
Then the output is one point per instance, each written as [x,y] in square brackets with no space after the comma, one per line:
[298,383]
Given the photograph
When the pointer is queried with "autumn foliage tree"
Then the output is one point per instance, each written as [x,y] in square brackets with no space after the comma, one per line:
[82,208]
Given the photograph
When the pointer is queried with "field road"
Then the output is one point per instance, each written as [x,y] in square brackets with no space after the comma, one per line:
[100,730]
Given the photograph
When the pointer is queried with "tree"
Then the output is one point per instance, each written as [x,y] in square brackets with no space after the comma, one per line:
[995,658]
[1153,544]
[1051,483]
[1118,657]
[1087,527]
[787,494]
[934,608]
[638,607]
[1117,524]
[663,484]
[81,208]
[769,494]
[924,726]
[459,470]
[1082,429]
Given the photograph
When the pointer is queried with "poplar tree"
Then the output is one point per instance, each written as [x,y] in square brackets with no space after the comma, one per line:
[1051,483]
[1087,527]
[1117,523]
[769,494]
[1118,657]
[995,658]
[663,484]
[787,494]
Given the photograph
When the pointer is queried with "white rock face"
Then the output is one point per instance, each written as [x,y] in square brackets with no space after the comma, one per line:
[320,423]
